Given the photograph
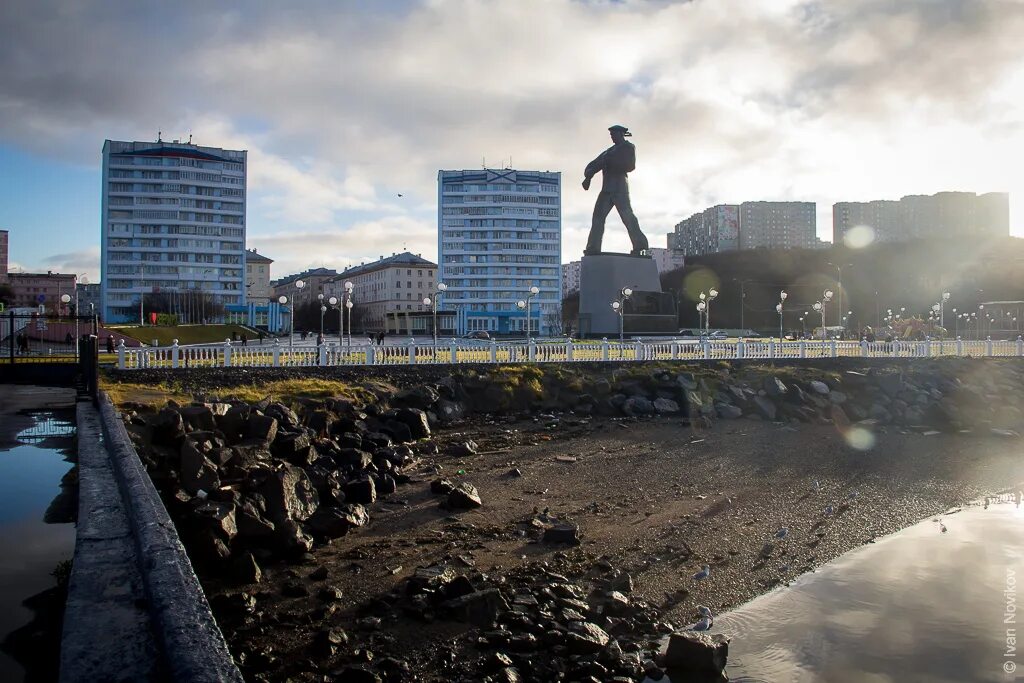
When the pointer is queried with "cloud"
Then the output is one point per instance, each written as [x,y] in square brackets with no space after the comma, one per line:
[344,105]
[84,261]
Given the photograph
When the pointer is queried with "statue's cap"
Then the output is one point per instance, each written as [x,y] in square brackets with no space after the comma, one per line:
[625,131]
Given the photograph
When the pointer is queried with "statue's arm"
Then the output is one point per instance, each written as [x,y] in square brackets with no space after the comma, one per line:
[594,166]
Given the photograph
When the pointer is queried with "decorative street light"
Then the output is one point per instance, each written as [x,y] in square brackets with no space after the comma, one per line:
[333,301]
[283,300]
[839,283]
[956,319]
[66,299]
[702,308]
[524,305]
[619,307]
[942,309]
[778,308]
[427,301]
[348,309]
[299,284]
[803,327]
[819,306]
[707,299]
[323,309]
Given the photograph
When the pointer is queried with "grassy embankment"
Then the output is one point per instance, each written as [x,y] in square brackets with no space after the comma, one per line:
[185,334]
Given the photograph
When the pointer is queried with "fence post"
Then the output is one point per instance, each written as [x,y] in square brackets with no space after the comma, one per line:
[832,346]
[412,352]
[604,348]
[174,354]
[895,348]
[706,346]
[532,351]
[927,347]
[322,353]
[277,353]
[568,350]
[741,348]
[455,352]
[1020,346]
[675,350]
[771,348]
[803,348]
[865,349]
[959,346]
[988,346]
[227,353]
[370,355]
[494,351]
[120,354]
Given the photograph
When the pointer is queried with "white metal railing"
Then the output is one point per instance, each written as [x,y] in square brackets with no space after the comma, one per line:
[454,352]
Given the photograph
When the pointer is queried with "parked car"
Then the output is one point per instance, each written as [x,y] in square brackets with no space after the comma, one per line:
[477,334]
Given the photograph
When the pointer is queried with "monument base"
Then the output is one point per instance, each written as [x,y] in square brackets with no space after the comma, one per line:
[647,311]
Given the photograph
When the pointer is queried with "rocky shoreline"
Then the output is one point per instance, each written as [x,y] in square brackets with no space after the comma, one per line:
[271,499]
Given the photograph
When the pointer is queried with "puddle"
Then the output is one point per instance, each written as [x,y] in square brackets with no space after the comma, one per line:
[35,533]
[923,604]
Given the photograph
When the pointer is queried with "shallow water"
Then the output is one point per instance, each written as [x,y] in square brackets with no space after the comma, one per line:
[30,548]
[920,605]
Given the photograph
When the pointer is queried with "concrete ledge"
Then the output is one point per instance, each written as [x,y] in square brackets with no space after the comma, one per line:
[107,634]
[192,644]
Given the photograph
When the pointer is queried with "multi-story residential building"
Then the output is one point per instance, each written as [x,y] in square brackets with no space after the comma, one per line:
[710,231]
[313,281]
[396,283]
[571,277]
[942,215]
[3,255]
[173,219]
[666,259]
[257,277]
[499,233]
[778,225]
[32,290]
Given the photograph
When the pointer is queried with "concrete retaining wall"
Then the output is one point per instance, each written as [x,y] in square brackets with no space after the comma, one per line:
[190,643]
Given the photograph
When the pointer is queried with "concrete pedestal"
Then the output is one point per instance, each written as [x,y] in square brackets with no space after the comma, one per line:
[602,277]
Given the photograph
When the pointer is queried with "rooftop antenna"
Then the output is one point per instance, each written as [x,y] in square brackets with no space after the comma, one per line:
[190,136]
[484,162]
[159,133]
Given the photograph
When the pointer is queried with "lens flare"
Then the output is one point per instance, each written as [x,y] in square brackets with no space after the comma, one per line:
[859,438]
[859,236]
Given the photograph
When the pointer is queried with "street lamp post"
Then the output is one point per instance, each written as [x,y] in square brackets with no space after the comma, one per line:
[66,299]
[333,301]
[706,299]
[819,306]
[299,284]
[619,307]
[323,309]
[283,300]
[839,283]
[778,308]
[347,298]
[427,301]
[803,327]
[942,309]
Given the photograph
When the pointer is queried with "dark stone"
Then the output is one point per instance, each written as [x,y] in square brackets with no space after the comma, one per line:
[285,416]
[421,397]
[442,487]
[449,412]
[167,427]
[463,449]
[464,497]
[293,447]
[398,431]
[586,638]
[635,406]
[294,589]
[233,424]
[217,518]
[261,427]
[697,652]
[665,406]
[480,608]
[330,594]
[727,411]
[327,642]
[321,422]
[774,387]
[765,407]
[889,382]
[416,420]
[250,522]
[337,521]
[361,491]
[377,439]
[386,485]
[356,674]
[562,533]
[196,471]
[198,417]
[290,538]
[353,459]
[289,494]
[350,440]
[245,569]
[250,455]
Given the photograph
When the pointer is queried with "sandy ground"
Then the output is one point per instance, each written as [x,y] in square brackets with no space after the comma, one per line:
[654,498]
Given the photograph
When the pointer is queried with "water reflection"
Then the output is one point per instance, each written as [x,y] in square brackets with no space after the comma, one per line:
[921,605]
[36,485]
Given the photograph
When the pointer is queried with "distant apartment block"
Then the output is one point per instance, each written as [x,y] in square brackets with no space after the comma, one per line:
[257,277]
[88,298]
[499,234]
[35,290]
[941,215]
[707,232]
[313,281]
[571,277]
[778,225]
[667,259]
[173,219]
[4,262]
[391,285]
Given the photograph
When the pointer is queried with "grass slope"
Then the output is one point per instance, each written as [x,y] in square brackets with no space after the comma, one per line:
[185,334]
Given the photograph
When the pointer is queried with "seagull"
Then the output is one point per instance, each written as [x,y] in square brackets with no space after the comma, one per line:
[705,612]
[781,533]
[702,625]
[399,194]
[702,574]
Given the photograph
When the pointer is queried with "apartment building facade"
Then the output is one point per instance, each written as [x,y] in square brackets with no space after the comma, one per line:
[389,285]
[778,225]
[499,235]
[35,290]
[173,219]
[571,277]
[709,231]
[257,277]
[313,281]
[941,215]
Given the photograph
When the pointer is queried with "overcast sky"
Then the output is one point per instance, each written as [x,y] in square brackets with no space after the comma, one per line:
[345,105]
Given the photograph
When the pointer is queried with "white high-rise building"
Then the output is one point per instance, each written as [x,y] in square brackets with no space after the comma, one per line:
[499,233]
[173,220]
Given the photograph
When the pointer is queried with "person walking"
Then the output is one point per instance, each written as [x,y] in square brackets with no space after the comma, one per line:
[110,343]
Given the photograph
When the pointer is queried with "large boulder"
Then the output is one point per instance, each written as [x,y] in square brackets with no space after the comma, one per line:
[289,494]
[665,406]
[293,447]
[337,521]
[694,652]
[416,420]
[167,427]
[197,472]
[464,497]
[361,490]
[285,416]
[420,398]
[765,407]
[479,608]
[635,406]
[262,428]
[586,638]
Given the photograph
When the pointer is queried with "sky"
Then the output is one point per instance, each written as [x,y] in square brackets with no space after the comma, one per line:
[344,106]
